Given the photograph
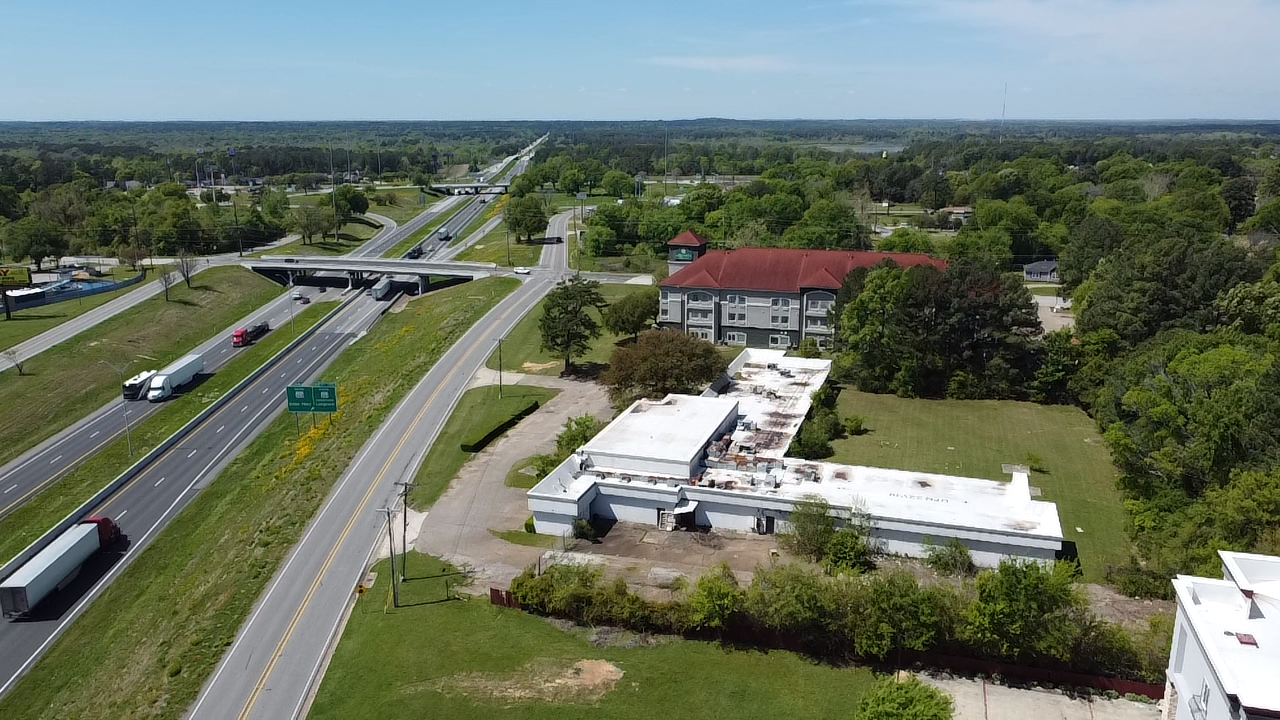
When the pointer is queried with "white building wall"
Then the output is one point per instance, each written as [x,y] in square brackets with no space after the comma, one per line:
[641,466]
[1189,672]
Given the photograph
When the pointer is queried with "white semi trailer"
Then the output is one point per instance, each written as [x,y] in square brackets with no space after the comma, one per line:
[55,565]
[179,373]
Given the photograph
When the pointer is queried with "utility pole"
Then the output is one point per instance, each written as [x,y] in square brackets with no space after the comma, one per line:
[405,487]
[391,538]
[499,368]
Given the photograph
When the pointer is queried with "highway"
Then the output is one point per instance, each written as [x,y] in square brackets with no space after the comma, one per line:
[279,652]
[150,500]
[45,464]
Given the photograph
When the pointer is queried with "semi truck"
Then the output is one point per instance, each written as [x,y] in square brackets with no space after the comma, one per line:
[56,565]
[381,289]
[249,335]
[179,373]
[135,388]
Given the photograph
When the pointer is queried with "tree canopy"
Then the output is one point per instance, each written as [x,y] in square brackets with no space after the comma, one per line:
[661,362]
[566,326]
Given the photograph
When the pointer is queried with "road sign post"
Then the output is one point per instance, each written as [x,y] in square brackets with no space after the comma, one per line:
[301,398]
[324,398]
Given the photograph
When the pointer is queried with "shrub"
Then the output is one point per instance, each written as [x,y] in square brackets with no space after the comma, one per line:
[809,348]
[583,530]
[812,527]
[717,600]
[789,598]
[909,699]
[811,443]
[529,525]
[855,425]
[950,558]
[1035,462]
[1025,611]
[893,612]
[847,552]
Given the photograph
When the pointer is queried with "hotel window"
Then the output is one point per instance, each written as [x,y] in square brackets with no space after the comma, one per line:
[780,312]
[780,341]
[736,300]
[735,338]
[701,333]
[820,323]
[736,318]
[699,314]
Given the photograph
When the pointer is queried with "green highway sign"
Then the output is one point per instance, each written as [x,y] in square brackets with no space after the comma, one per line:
[301,398]
[325,397]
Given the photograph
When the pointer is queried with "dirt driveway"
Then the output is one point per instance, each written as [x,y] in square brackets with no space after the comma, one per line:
[478,500]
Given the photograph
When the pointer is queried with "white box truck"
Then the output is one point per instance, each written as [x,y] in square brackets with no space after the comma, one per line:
[181,372]
[54,566]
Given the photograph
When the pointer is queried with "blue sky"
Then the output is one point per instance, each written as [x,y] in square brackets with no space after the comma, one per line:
[500,59]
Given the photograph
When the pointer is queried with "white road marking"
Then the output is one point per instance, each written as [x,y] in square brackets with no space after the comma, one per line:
[122,514]
[159,481]
[224,349]
[246,407]
[15,487]
[191,454]
[299,359]
[313,347]
[264,390]
[55,460]
[283,374]
[220,427]
[95,434]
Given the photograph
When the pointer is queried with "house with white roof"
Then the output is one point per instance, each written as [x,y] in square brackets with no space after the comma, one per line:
[1225,659]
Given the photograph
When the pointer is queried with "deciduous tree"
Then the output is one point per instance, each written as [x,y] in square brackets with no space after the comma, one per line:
[633,313]
[661,362]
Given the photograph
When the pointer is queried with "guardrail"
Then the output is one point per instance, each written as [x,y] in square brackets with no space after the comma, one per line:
[79,513]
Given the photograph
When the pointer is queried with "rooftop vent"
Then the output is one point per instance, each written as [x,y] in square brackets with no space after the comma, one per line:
[1247,639]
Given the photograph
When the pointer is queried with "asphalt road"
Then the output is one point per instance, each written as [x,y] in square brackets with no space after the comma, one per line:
[278,654]
[148,502]
[45,464]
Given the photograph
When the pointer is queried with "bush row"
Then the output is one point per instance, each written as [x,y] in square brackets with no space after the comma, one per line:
[1021,613]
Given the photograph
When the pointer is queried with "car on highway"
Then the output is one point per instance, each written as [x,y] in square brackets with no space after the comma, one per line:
[521,270]
[298,296]
[304,300]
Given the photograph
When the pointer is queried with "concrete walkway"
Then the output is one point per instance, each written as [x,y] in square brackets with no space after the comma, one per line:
[982,700]
[457,526]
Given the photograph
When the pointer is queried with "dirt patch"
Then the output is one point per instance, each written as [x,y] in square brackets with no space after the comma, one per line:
[543,680]
[539,367]
[1114,607]
[400,304]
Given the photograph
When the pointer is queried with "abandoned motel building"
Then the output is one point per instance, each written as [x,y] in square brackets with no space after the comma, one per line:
[718,461]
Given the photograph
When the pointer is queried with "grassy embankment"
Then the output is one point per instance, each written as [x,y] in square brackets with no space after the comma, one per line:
[435,657]
[477,409]
[493,248]
[410,203]
[974,437]
[148,644]
[26,324]
[522,349]
[44,510]
[68,380]
[421,233]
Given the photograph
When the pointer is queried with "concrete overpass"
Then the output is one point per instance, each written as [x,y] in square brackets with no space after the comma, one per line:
[480,188]
[286,270]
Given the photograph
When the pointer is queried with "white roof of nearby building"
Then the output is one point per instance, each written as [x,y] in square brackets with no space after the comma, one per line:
[1237,621]
[771,394]
[673,429]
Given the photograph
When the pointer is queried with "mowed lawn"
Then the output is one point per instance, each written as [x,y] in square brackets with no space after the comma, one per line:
[410,202]
[974,437]
[438,658]
[522,350]
[493,248]
[73,378]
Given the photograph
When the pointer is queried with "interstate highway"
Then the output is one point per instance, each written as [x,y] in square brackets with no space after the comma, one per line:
[148,502]
[33,471]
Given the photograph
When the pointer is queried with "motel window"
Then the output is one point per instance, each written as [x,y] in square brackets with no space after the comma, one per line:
[699,297]
[699,314]
[780,304]
[701,333]
[779,341]
[737,300]
[780,320]
[735,338]
[736,318]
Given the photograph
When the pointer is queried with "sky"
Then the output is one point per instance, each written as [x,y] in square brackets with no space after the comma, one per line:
[657,59]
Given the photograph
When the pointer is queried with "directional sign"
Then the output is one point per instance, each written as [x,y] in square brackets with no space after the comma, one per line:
[301,398]
[15,275]
[325,397]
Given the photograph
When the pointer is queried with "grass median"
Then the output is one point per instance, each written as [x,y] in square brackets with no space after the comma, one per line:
[148,644]
[493,247]
[440,658]
[522,350]
[477,410]
[44,510]
[72,378]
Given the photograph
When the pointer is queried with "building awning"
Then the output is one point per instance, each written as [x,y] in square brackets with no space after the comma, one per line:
[685,506]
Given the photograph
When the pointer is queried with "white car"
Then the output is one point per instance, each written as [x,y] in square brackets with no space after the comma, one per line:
[522,270]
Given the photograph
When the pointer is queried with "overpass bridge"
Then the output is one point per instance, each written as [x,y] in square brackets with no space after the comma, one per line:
[287,270]
[479,188]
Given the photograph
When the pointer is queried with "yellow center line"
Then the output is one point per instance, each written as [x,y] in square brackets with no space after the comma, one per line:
[306,600]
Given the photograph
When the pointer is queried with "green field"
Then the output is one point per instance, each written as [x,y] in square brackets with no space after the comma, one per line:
[69,380]
[45,509]
[522,350]
[974,437]
[435,658]
[350,236]
[147,645]
[493,248]
[26,324]
[478,408]
[406,207]
[1045,290]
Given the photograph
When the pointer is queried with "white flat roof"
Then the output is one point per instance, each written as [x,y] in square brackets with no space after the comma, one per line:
[1221,611]
[673,429]
[774,394]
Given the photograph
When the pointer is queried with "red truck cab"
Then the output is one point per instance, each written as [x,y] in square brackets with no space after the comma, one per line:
[108,531]
[248,335]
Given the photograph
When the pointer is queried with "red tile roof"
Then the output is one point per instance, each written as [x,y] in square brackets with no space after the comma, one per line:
[688,238]
[785,270]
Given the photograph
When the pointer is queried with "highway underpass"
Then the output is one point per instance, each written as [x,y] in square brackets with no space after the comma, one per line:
[291,270]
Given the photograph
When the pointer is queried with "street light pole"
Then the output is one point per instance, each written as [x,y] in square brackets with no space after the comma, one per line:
[128,436]
[405,487]
[391,547]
